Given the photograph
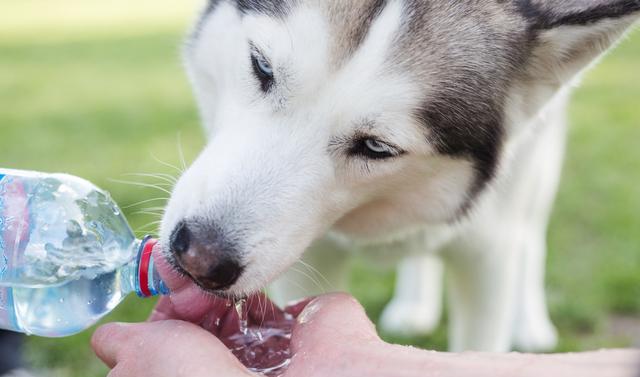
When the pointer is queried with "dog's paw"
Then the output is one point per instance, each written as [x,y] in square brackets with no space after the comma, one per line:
[535,336]
[409,318]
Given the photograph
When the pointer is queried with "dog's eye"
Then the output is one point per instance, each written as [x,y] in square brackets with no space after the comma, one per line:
[374,149]
[376,146]
[263,71]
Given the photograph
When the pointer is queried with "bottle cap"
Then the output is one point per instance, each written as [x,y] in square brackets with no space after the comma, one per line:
[148,282]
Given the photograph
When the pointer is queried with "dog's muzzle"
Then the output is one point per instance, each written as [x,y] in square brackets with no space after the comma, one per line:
[201,252]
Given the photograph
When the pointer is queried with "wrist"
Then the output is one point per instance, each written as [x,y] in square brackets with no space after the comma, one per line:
[385,360]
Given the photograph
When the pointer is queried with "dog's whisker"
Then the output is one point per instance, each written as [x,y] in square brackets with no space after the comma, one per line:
[313,280]
[150,213]
[155,209]
[167,175]
[160,184]
[179,170]
[262,310]
[141,184]
[151,224]
[163,177]
[148,227]
[316,272]
[146,230]
[295,283]
[273,310]
[181,152]
[144,202]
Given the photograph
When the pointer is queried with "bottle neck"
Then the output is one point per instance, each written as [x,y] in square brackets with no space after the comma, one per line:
[145,280]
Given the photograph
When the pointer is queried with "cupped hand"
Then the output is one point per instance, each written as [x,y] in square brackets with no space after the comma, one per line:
[167,348]
[183,336]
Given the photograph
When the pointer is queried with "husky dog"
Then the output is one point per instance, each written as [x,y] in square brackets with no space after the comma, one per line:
[428,131]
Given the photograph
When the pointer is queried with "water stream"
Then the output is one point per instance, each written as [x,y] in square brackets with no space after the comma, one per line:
[263,348]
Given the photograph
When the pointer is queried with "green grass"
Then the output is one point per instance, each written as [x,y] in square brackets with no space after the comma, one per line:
[100,98]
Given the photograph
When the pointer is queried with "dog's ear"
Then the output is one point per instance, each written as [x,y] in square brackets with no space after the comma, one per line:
[568,35]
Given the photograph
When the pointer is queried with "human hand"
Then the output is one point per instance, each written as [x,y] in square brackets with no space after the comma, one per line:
[331,336]
[164,349]
[183,335]
[329,333]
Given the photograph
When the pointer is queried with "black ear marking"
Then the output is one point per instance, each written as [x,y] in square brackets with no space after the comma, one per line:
[548,14]
[372,12]
[276,8]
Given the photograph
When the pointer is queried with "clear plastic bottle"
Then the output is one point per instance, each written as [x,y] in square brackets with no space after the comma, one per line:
[67,255]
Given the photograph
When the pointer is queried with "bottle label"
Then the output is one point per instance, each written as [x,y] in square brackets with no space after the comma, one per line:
[4,262]
[3,257]
[14,221]
[6,296]
[14,227]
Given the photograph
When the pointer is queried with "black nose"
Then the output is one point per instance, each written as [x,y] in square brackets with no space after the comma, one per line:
[180,239]
[201,251]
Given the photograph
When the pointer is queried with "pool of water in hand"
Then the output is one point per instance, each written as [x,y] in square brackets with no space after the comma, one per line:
[263,349]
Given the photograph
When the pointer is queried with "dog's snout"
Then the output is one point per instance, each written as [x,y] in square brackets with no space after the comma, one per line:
[199,252]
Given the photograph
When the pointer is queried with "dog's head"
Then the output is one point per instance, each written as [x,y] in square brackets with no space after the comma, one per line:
[367,116]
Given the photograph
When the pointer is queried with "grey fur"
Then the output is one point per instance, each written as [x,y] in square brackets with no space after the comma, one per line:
[351,21]
[467,55]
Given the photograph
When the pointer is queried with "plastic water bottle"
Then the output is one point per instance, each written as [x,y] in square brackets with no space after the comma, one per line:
[67,255]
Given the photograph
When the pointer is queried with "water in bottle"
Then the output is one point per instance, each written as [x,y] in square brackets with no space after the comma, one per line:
[67,255]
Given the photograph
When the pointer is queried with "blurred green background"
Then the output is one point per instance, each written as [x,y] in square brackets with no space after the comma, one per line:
[96,89]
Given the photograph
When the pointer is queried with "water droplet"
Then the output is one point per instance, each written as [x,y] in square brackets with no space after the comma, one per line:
[242,315]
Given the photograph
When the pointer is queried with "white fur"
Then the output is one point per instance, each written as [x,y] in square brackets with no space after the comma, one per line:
[267,171]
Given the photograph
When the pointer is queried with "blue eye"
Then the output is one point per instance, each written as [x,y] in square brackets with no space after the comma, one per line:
[374,149]
[264,67]
[263,71]
[377,146]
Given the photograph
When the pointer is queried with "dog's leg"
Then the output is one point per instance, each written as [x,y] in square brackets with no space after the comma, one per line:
[497,268]
[496,290]
[416,306]
[533,330]
[323,269]
[482,293]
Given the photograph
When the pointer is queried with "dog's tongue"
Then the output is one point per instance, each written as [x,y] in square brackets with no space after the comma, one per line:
[186,301]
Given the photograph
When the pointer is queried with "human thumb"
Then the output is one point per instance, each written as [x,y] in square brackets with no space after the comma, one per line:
[337,318]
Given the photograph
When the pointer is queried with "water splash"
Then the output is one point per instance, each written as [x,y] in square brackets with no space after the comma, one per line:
[264,349]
